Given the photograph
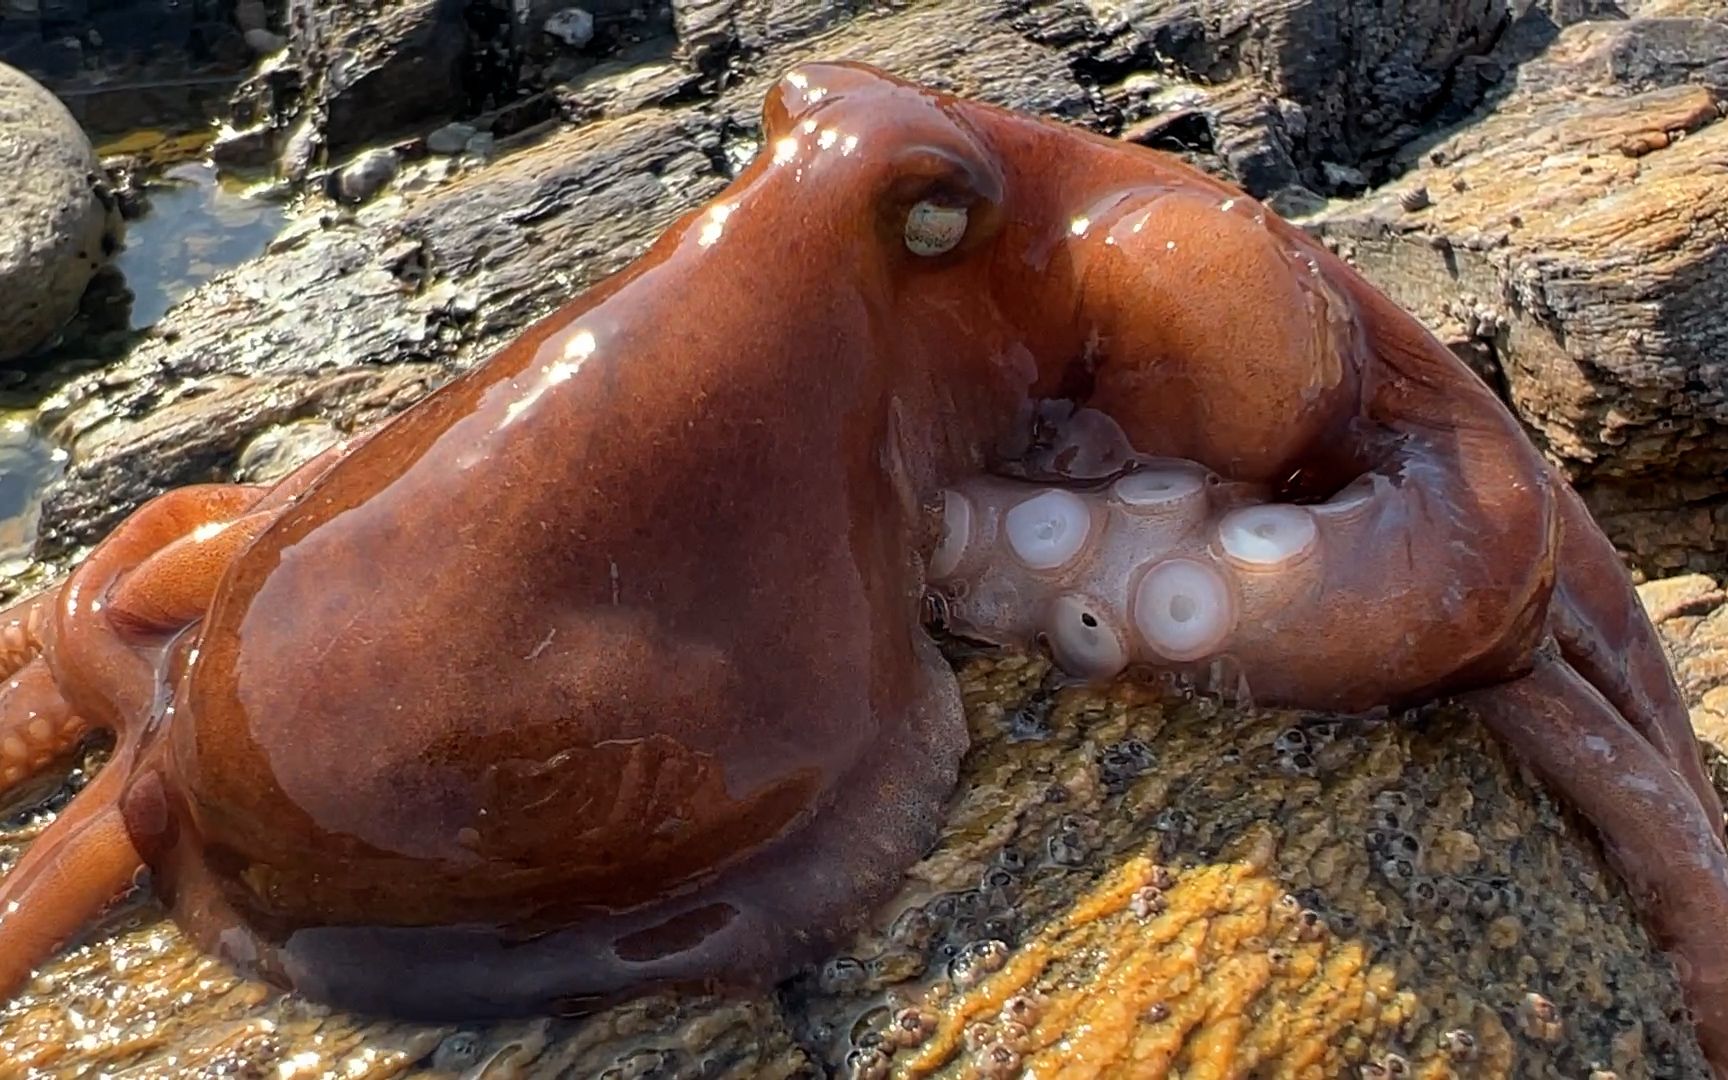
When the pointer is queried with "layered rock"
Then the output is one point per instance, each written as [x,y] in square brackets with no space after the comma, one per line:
[1574,242]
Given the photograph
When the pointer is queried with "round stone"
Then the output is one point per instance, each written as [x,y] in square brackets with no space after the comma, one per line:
[58,225]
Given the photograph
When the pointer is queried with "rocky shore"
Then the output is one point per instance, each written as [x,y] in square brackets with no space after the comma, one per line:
[1188,884]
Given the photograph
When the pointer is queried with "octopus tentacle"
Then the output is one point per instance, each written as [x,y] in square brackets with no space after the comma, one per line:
[22,630]
[82,863]
[37,726]
[105,678]
[174,586]
[1438,576]
[1605,634]
[152,577]
[86,859]
[1653,828]
[1331,605]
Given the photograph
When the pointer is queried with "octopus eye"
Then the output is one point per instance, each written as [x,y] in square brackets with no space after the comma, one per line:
[934,229]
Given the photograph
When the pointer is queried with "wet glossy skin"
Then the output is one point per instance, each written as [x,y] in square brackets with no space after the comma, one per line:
[603,666]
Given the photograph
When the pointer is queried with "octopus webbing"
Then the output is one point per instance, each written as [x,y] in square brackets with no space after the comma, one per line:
[606,666]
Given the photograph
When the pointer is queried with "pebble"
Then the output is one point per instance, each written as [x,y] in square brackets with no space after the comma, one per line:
[573,26]
[451,138]
[366,175]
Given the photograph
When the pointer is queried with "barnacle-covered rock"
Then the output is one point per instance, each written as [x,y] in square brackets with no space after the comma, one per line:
[1141,878]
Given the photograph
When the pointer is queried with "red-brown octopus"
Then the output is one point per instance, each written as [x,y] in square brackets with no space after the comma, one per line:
[605,666]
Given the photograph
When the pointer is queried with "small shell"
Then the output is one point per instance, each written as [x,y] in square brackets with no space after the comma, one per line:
[933,229]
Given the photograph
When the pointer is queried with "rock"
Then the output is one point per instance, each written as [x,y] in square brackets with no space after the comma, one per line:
[358,75]
[249,149]
[1344,179]
[1574,235]
[251,15]
[263,42]
[276,451]
[1366,78]
[366,175]
[121,66]
[572,26]
[1644,54]
[1691,614]
[1295,201]
[1125,878]
[450,139]
[707,29]
[482,145]
[58,225]
[1670,599]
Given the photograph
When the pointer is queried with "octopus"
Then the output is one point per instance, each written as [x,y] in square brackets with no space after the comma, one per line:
[609,665]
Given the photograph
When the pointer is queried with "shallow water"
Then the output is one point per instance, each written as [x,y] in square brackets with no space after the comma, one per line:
[197,225]
[28,464]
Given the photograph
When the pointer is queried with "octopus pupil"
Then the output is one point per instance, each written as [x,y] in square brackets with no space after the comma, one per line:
[1183,608]
[1088,620]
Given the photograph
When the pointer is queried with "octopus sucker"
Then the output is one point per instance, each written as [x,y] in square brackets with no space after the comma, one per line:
[956,535]
[1049,529]
[1184,609]
[668,714]
[21,630]
[1267,537]
[1165,490]
[1086,637]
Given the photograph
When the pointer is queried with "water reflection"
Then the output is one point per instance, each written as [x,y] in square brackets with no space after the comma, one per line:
[198,225]
[28,464]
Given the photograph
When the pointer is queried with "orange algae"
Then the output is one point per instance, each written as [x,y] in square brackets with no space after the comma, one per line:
[1217,984]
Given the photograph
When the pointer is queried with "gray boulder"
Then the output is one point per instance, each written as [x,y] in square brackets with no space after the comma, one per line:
[58,224]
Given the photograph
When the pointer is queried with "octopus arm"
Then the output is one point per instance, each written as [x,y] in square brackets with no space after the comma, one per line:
[1423,575]
[1440,561]
[1431,572]
[74,870]
[1653,829]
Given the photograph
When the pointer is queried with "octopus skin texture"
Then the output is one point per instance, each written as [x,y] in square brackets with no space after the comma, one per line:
[605,666]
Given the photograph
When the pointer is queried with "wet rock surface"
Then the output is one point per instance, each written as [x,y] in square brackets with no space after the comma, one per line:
[1574,242]
[1138,879]
[58,223]
[120,65]
[1691,613]
[1131,881]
